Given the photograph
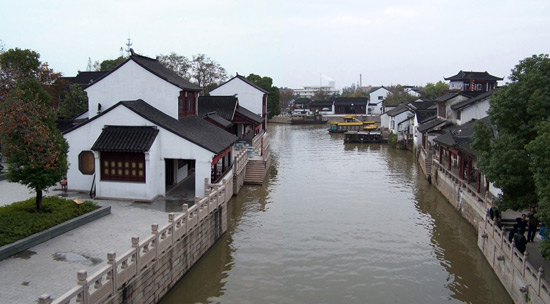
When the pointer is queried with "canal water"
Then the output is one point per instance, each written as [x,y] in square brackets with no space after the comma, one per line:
[341,223]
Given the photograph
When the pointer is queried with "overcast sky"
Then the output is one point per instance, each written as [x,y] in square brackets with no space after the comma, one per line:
[295,42]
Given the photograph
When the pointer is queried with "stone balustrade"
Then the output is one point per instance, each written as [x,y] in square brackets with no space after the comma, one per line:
[151,261]
[512,267]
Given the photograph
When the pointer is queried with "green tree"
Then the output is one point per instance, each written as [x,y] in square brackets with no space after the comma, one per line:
[273,98]
[35,150]
[177,63]
[398,96]
[519,112]
[286,95]
[74,103]
[111,64]
[433,91]
[206,73]
[321,95]
[23,69]
[17,64]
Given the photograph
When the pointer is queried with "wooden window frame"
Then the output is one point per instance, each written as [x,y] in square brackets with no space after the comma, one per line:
[120,166]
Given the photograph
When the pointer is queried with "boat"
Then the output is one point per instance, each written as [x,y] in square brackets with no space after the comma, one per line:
[313,119]
[363,137]
[352,124]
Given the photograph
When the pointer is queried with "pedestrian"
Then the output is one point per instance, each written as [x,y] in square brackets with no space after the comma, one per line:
[523,223]
[514,230]
[493,212]
[532,225]
[520,241]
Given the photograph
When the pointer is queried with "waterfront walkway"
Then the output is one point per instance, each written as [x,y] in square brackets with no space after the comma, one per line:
[535,256]
[51,267]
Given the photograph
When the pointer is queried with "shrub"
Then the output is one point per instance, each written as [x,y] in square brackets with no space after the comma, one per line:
[21,219]
[392,140]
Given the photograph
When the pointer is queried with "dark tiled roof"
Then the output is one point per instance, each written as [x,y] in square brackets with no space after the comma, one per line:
[247,113]
[447,96]
[224,106]
[382,87]
[467,94]
[462,75]
[422,105]
[192,128]
[159,70]
[432,124]
[350,100]
[125,139]
[246,81]
[459,136]
[302,101]
[218,119]
[425,115]
[467,102]
[85,78]
[322,103]
[398,110]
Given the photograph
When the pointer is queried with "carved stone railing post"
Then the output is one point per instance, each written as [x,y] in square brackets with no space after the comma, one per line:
[525,256]
[155,231]
[45,299]
[184,208]
[82,277]
[135,245]
[206,187]
[539,279]
[197,201]
[111,260]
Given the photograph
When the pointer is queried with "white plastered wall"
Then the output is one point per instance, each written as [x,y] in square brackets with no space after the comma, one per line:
[132,82]
[249,97]
[166,145]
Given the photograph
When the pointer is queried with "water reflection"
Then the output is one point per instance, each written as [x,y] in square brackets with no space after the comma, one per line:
[341,223]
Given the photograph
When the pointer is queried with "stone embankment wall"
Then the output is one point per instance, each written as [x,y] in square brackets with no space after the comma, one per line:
[522,281]
[471,205]
[146,272]
[519,277]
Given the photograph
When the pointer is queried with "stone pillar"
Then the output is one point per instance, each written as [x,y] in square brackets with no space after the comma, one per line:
[82,277]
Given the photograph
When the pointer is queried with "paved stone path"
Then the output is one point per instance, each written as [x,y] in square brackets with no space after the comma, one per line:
[51,267]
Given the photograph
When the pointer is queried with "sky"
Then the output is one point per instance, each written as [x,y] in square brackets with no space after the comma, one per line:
[296,43]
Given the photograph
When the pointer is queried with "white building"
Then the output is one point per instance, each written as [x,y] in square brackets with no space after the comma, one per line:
[310,91]
[130,148]
[250,95]
[376,99]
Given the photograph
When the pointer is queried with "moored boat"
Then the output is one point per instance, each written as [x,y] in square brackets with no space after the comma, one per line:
[352,124]
[363,137]
[308,120]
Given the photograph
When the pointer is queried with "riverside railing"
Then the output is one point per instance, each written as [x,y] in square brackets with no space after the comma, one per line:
[105,282]
[532,277]
[462,183]
[240,161]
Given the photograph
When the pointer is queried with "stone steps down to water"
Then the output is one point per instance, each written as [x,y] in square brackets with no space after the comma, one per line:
[255,172]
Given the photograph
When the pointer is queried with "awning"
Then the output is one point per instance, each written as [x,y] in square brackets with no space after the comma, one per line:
[125,139]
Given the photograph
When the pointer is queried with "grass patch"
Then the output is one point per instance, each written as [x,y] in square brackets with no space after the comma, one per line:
[20,219]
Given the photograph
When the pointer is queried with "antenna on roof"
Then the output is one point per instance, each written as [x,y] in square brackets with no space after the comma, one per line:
[129,46]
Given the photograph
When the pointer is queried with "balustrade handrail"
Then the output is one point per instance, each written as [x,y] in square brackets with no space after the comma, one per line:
[119,270]
[461,182]
[519,260]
